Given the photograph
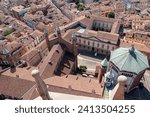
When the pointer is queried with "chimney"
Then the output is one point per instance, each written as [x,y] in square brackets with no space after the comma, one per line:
[118,91]
[41,86]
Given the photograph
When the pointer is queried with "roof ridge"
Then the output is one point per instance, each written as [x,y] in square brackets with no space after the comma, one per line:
[142,61]
[125,61]
[120,55]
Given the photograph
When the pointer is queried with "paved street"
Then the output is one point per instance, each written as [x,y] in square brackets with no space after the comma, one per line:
[91,64]
[88,59]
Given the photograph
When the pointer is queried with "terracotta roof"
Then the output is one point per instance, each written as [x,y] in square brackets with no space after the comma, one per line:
[15,87]
[41,26]
[87,85]
[36,34]
[75,21]
[42,46]
[30,54]
[18,8]
[21,73]
[48,66]
[86,21]
[138,46]
[11,46]
[66,64]
[68,35]
[104,19]
[115,27]
[100,35]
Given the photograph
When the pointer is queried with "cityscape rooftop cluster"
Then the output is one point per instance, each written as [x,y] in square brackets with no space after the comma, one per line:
[74,49]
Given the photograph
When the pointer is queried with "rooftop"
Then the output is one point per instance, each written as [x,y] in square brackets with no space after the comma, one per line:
[15,87]
[49,64]
[129,59]
[89,86]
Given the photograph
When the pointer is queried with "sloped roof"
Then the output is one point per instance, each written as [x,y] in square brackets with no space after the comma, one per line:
[15,87]
[129,59]
[5,51]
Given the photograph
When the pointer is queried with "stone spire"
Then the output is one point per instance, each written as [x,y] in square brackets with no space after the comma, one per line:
[102,69]
[41,86]
[119,90]
[46,38]
[58,32]
[104,63]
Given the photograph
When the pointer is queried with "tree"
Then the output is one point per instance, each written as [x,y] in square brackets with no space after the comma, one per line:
[111,15]
[83,68]
[8,31]
[81,7]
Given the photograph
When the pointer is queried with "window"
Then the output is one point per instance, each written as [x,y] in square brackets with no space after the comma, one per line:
[88,43]
[107,47]
[84,41]
[98,45]
[79,40]
[128,75]
[102,45]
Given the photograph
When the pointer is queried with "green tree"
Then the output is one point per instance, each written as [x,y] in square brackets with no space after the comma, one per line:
[8,31]
[83,68]
[111,15]
[81,7]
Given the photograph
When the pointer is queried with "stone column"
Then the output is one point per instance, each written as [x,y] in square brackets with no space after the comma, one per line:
[41,86]
[119,90]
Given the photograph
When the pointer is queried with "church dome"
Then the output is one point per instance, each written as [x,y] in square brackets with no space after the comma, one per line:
[129,59]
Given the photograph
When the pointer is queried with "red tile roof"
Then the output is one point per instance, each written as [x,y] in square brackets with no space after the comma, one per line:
[82,84]
[48,66]
[15,87]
